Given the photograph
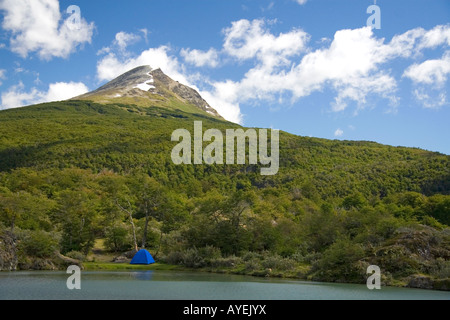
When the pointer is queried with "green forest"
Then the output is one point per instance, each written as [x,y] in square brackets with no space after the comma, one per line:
[74,172]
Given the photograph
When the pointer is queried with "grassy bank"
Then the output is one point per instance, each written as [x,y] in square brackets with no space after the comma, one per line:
[264,264]
[110,266]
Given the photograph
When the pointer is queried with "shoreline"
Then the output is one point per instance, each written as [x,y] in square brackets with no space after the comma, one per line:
[160,266]
[112,266]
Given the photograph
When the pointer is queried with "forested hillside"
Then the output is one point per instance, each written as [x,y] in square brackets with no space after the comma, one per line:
[76,171]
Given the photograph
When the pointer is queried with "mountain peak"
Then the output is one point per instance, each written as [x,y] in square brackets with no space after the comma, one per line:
[146,86]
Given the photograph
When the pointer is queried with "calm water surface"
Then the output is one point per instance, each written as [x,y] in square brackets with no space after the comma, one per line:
[170,285]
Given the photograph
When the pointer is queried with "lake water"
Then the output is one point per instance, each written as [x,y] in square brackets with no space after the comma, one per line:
[170,285]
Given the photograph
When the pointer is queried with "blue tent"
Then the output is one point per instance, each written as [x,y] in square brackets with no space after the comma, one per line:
[142,257]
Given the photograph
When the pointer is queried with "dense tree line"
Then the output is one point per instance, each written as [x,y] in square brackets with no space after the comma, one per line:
[81,171]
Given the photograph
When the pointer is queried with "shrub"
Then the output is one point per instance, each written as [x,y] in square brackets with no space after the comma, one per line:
[192,258]
[209,253]
[340,262]
[252,265]
[174,257]
[76,255]
[441,268]
[248,256]
[279,263]
[39,244]
[227,262]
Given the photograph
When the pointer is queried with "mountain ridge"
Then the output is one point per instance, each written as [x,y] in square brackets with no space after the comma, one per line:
[147,87]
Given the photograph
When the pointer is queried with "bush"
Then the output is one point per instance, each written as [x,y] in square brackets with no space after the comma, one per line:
[227,262]
[278,263]
[340,262]
[248,256]
[174,257]
[76,255]
[252,265]
[432,222]
[209,253]
[39,244]
[441,269]
[192,258]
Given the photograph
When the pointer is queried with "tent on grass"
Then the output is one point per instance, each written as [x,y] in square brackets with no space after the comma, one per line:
[142,257]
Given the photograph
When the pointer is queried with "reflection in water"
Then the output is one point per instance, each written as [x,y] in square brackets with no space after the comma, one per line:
[144,275]
[168,285]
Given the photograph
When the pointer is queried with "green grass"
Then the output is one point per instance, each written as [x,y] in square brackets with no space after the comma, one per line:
[91,266]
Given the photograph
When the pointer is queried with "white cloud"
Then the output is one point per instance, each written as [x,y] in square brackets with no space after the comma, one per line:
[350,62]
[227,109]
[338,133]
[350,65]
[145,32]
[284,67]
[124,39]
[251,39]
[439,35]
[301,2]
[433,71]
[38,26]
[112,65]
[65,90]
[201,58]
[16,96]
[358,88]
[248,40]
[2,75]
[430,101]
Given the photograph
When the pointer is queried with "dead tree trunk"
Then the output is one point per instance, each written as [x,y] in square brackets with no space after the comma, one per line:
[130,215]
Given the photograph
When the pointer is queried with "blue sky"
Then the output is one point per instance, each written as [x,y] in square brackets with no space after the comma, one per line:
[311,68]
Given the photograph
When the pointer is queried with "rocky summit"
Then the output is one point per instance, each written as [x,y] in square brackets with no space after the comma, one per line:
[146,86]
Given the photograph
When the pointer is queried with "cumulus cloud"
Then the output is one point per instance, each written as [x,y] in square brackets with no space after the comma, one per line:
[124,39]
[38,26]
[201,58]
[228,109]
[65,90]
[439,35]
[338,133]
[434,71]
[285,67]
[114,64]
[17,96]
[252,39]
[350,65]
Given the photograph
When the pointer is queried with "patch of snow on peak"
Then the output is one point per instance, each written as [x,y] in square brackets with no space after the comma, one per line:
[144,86]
